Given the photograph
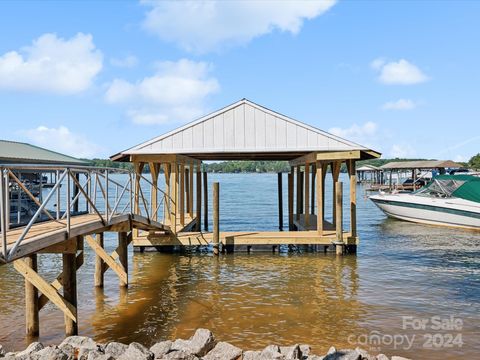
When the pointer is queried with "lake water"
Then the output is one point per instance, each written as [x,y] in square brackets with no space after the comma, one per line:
[402,275]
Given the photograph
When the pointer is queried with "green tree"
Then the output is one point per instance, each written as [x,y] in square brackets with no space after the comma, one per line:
[474,162]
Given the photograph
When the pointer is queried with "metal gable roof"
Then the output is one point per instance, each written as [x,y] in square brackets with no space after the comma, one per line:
[243,127]
[12,152]
[420,164]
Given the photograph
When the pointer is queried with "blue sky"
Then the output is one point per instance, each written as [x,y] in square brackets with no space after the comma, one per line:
[93,78]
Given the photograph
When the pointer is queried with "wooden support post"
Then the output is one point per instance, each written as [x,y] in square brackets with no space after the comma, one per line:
[339,244]
[99,263]
[216,217]
[187,190]
[205,201]
[31,300]
[280,202]
[138,166]
[353,198]
[320,200]
[306,178]
[297,202]
[154,170]
[290,200]
[335,167]
[352,244]
[190,191]
[198,226]
[70,291]
[122,251]
[312,195]
[181,199]
[301,193]
[174,190]
[167,205]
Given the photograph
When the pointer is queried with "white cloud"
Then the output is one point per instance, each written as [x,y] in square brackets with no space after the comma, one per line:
[52,64]
[402,151]
[176,92]
[61,139]
[356,132]
[400,104]
[202,26]
[400,72]
[129,61]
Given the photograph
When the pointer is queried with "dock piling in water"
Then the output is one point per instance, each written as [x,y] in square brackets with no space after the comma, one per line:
[338,203]
[99,263]
[216,217]
[205,201]
[70,291]
[31,300]
[280,202]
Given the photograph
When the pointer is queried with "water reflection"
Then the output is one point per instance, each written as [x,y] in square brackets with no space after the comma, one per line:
[250,300]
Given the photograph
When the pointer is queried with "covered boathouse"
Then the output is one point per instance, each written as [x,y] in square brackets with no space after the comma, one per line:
[248,131]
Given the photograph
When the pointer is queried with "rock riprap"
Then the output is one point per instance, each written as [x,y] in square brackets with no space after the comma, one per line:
[202,345]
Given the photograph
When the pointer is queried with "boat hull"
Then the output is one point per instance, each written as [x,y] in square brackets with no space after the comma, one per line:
[445,212]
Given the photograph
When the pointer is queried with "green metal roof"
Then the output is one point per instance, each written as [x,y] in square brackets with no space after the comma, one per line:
[12,152]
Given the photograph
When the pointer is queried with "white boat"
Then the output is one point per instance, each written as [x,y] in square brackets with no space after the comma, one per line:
[449,200]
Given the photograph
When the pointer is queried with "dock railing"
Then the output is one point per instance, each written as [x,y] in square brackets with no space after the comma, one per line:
[72,191]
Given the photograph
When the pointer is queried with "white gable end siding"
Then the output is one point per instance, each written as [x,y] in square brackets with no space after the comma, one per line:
[244,127]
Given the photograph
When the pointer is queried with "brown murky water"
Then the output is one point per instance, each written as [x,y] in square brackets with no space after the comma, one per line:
[402,270]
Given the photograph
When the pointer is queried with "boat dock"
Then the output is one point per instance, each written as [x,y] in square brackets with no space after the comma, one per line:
[85,202]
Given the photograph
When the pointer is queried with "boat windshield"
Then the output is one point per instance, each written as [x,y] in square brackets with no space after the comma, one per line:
[441,188]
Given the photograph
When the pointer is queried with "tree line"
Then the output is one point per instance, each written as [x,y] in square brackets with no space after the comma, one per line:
[251,166]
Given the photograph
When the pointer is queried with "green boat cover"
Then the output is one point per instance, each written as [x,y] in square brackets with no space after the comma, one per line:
[460,186]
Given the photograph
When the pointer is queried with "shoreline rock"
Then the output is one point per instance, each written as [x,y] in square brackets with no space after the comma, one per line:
[202,345]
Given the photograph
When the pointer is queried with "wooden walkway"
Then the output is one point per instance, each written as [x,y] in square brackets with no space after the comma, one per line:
[50,233]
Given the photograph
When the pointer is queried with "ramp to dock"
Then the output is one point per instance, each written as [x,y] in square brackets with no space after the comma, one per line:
[49,233]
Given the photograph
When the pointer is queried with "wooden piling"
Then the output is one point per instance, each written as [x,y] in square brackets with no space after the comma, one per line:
[31,300]
[198,224]
[216,217]
[353,197]
[339,245]
[70,291]
[181,192]
[154,170]
[335,167]
[187,190]
[99,263]
[290,200]
[123,255]
[320,192]
[298,195]
[300,199]
[312,195]
[205,201]
[306,179]
[280,202]
[174,190]
[190,191]
[168,203]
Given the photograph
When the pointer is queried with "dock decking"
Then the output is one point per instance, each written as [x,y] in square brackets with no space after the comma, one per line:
[50,233]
